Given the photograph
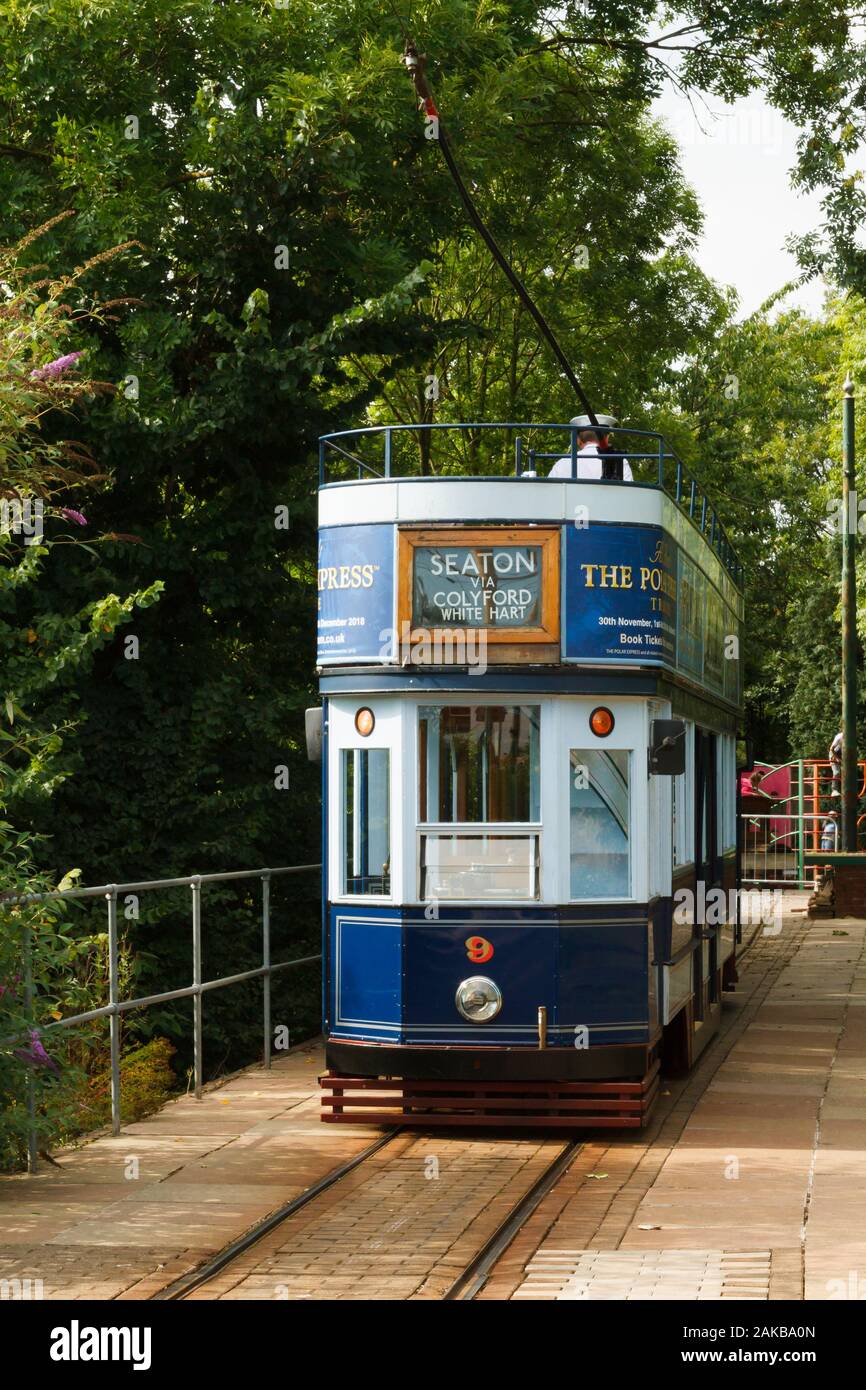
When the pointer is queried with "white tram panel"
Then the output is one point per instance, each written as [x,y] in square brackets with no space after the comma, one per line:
[564,728]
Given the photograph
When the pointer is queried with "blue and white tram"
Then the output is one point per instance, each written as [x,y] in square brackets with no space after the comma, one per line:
[531,690]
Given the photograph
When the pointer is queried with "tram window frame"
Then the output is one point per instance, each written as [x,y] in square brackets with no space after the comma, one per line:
[424,765]
[355,824]
[584,755]
[682,795]
[726,758]
[526,832]
[471,876]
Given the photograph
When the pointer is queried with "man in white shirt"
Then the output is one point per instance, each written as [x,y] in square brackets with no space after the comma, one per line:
[590,455]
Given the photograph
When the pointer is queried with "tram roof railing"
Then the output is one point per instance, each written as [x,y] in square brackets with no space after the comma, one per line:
[462,449]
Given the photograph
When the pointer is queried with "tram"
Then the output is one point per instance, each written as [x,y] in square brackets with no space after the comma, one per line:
[530,698]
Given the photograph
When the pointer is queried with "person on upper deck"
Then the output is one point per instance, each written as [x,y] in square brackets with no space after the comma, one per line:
[595,458]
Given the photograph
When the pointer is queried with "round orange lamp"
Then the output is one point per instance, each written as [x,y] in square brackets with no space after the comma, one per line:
[601,721]
[365,721]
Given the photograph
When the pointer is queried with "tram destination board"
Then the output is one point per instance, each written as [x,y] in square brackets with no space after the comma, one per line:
[490,586]
[503,583]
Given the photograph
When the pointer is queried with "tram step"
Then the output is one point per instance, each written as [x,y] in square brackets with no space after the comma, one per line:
[367,1100]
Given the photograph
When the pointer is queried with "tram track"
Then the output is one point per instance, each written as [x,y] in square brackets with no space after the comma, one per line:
[180,1288]
[476,1273]
[469,1154]
[471,1278]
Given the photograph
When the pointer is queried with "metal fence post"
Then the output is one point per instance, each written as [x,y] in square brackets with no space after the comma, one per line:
[195,886]
[266,966]
[801,838]
[114,999]
[30,1083]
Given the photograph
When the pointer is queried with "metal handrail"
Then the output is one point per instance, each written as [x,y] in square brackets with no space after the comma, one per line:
[684,489]
[116,1006]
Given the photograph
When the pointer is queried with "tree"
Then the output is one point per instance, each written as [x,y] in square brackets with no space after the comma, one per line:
[806,56]
[757,412]
[273,167]
[44,655]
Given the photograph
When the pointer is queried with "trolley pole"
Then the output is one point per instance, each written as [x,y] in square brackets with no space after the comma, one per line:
[850,512]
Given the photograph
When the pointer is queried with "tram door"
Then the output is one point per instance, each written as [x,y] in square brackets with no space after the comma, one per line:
[707,866]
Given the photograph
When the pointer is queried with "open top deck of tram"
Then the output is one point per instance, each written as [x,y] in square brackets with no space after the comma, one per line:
[500,452]
[622,576]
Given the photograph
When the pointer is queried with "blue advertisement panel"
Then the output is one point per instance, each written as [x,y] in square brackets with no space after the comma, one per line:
[356,592]
[620,594]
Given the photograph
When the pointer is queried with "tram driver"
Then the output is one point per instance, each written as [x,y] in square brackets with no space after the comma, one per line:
[595,458]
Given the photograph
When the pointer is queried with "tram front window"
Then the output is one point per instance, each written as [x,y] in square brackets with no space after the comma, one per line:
[599,823]
[479,765]
[366,821]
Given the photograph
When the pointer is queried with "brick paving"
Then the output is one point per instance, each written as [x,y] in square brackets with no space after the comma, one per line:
[123,1216]
[402,1226]
[750,1182]
[759,1156]
[627,1274]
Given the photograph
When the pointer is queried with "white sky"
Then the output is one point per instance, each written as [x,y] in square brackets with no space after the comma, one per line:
[737,159]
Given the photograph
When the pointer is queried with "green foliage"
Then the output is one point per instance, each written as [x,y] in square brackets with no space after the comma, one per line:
[299,240]
[45,652]
[758,411]
[146,1082]
[42,977]
[301,263]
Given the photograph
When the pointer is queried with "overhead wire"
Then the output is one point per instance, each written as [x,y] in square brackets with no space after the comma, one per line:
[415,64]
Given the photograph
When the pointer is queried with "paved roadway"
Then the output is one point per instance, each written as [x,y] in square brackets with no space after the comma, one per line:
[749,1184]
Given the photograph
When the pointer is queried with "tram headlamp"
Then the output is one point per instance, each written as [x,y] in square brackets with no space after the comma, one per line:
[601,721]
[478,999]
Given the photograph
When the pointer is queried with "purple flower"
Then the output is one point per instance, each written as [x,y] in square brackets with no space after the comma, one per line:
[35,1055]
[72,515]
[56,367]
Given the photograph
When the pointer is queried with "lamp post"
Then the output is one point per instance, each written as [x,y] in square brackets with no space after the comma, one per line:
[849,624]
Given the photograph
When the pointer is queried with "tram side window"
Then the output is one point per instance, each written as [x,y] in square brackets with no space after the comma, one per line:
[682,810]
[366,821]
[599,823]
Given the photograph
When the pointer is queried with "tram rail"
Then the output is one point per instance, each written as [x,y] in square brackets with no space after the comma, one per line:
[481,1264]
[463,1288]
[476,1273]
[187,1283]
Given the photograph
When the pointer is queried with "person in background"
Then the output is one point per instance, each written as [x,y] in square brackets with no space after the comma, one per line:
[595,459]
[835,756]
[830,832]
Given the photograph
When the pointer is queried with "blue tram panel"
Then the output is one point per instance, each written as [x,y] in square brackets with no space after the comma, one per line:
[502,853]
[395,977]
